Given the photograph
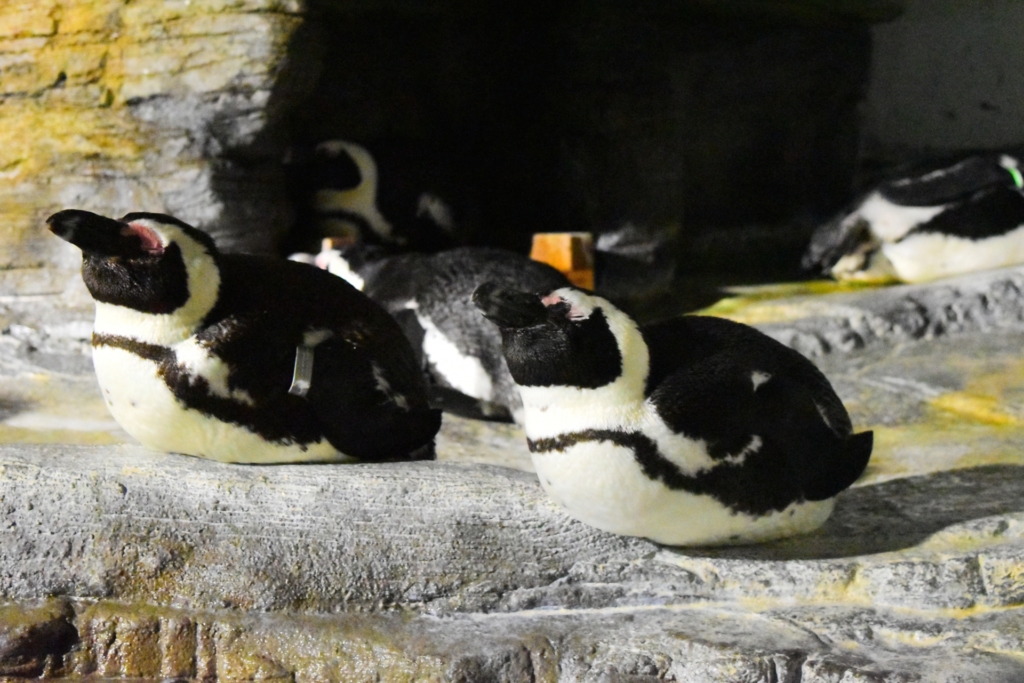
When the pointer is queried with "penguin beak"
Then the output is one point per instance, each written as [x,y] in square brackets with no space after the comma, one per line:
[508,308]
[101,236]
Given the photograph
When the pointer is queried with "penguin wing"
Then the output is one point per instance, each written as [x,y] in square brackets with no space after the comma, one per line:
[949,184]
[987,213]
[776,422]
[365,406]
[366,389]
[367,400]
[746,395]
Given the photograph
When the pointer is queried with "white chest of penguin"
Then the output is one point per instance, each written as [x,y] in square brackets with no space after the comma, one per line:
[603,484]
[144,405]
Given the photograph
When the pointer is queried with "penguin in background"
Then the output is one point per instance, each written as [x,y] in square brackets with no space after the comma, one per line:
[692,431]
[241,358]
[430,295]
[958,219]
[385,197]
[635,261]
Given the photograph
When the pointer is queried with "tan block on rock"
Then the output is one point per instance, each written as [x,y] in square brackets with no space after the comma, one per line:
[328,243]
[572,253]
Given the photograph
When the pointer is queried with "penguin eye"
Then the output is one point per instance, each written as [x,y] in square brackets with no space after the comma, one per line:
[560,308]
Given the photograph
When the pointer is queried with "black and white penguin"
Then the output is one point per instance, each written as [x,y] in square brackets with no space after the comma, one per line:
[430,296]
[240,358]
[352,198]
[692,431]
[954,220]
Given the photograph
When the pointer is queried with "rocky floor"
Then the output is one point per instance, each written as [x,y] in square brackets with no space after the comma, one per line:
[121,563]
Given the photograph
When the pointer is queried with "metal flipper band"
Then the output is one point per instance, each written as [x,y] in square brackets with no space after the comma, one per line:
[303,374]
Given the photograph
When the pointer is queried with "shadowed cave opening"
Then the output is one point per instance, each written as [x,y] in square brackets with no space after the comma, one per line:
[731,130]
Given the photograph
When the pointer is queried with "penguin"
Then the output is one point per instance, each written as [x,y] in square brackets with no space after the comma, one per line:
[954,220]
[691,431]
[240,358]
[430,296]
[353,200]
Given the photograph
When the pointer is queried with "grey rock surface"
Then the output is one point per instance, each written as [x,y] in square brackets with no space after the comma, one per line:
[978,302]
[471,568]
[130,524]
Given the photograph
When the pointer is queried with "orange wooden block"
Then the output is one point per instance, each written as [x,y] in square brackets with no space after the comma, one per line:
[572,253]
[328,243]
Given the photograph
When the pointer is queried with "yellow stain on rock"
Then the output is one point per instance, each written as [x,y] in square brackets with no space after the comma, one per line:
[986,409]
[941,442]
[9,434]
[992,395]
[782,302]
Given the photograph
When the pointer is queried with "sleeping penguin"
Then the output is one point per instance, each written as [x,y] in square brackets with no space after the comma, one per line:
[692,431]
[430,296]
[240,358]
[959,219]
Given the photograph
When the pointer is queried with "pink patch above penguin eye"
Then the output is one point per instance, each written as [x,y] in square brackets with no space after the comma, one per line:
[552,300]
[148,240]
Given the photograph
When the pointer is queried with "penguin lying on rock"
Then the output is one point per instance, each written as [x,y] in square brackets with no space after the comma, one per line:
[692,431]
[430,296]
[240,358]
[954,220]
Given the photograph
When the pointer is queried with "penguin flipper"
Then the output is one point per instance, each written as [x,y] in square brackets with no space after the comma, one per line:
[949,184]
[988,213]
[813,459]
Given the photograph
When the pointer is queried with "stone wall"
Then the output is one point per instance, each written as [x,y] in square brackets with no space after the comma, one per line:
[150,105]
[943,79]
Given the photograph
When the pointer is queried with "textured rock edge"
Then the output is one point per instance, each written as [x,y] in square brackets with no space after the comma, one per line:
[843,323]
[176,567]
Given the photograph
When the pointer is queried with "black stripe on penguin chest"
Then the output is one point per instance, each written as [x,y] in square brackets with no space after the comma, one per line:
[756,486]
[283,418]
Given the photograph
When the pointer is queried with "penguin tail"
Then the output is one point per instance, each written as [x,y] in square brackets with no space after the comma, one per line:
[416,438]
[844,470]
[424,452]
[396,436]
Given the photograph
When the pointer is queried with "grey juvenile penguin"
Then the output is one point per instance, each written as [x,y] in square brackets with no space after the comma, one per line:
[430,296]
[240,358]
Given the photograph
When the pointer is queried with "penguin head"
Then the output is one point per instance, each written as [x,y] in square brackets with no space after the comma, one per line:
[346,197]
[567,338]
[147,262]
